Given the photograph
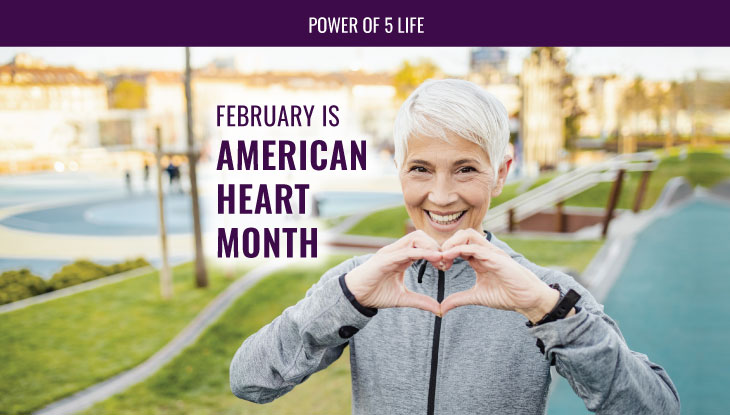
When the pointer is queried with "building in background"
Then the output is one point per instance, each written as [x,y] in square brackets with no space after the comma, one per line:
[542,119]
[489,65]
[58,115]
[46,108]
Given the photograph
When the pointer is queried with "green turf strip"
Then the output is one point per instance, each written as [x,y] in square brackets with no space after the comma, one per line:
[54,349]
[197,381]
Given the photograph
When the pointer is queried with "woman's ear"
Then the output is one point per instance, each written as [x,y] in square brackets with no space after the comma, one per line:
[502,175]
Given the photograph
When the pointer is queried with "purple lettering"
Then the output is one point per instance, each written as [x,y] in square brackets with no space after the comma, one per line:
[250,250]
[227,245]
[224,156]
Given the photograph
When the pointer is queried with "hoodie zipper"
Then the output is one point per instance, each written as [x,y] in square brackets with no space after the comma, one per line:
[435,348]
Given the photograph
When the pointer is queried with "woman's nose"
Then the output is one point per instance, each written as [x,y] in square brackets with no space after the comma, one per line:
[443,192]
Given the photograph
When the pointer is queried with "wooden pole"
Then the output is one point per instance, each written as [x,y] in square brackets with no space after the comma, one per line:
[166,291]
[511,218]
[201,276]
[561,222]
[639,198]
[613,199]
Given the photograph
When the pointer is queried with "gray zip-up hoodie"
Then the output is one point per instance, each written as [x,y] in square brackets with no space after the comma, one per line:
[476,360]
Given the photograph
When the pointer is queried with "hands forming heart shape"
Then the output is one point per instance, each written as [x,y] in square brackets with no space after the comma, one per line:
[501,282]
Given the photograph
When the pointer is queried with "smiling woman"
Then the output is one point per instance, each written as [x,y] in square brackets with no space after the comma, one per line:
[450,149]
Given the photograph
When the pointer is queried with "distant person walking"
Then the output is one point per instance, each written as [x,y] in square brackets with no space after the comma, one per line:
[146,174]
[128,180]
[174,172]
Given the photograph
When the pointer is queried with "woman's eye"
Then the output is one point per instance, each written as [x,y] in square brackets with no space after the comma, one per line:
[467,170]
[418,169]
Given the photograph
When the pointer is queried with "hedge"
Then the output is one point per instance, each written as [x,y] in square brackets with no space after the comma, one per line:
[17,285]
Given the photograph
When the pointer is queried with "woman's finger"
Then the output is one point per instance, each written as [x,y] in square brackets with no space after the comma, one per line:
[413,254]
[459,299]
[477,255]
[476,251]
[423,240]
[464,237]
[423,302]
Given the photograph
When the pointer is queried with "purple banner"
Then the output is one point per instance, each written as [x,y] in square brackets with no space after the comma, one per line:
[249,23]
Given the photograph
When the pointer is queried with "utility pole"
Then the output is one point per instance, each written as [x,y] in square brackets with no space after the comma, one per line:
[201,276]
[165,276]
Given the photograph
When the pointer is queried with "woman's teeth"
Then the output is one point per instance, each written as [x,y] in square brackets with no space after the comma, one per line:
[445,220]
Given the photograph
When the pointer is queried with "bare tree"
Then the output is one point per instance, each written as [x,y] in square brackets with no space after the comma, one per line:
[201,275]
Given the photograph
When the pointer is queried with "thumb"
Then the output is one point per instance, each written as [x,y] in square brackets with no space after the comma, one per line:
[415,300]
[457,300]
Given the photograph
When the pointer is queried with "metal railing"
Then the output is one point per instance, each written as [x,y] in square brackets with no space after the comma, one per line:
[564,187]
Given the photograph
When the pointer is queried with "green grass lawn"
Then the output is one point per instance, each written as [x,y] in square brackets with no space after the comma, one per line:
[196,382]
[53,349]
[388,223]
[546,252]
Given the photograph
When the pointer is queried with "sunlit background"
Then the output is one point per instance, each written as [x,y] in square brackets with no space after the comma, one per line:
[601,138]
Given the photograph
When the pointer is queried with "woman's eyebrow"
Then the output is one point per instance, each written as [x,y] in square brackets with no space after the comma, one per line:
[418,161]
[465,161]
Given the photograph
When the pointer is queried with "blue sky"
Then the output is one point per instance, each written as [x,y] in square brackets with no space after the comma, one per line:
[651,63]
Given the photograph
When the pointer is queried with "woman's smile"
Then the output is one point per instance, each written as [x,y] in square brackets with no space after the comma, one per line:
[445,221]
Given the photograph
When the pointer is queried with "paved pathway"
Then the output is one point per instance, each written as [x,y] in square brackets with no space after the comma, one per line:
[670,301]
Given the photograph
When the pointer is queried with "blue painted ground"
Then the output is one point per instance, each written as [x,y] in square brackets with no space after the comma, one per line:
[671,303]
[102,205]
[136,214]
[124,215]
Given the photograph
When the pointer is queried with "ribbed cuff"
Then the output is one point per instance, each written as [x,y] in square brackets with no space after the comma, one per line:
[366,311]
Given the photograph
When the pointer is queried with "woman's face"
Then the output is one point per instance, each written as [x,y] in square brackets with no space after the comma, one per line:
[447,186]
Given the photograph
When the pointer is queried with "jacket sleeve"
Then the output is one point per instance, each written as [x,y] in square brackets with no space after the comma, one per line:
[305,338]
[591,353]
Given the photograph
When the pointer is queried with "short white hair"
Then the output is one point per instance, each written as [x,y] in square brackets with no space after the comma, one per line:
[439,107]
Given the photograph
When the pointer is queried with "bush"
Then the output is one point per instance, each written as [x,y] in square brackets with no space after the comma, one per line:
[127,265]
[76,273]
[83,271]
[17,285]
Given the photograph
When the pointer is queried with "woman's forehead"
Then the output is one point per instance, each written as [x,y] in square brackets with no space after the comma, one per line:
[455,149]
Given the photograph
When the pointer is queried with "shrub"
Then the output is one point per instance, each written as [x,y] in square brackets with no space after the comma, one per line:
[83,271]
[127,265]
[17,285]
[76,273]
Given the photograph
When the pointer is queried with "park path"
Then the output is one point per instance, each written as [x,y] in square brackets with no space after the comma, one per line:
[116,384]
[670,301]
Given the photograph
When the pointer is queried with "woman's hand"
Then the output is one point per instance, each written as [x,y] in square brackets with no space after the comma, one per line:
[378,282]
[501,282]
